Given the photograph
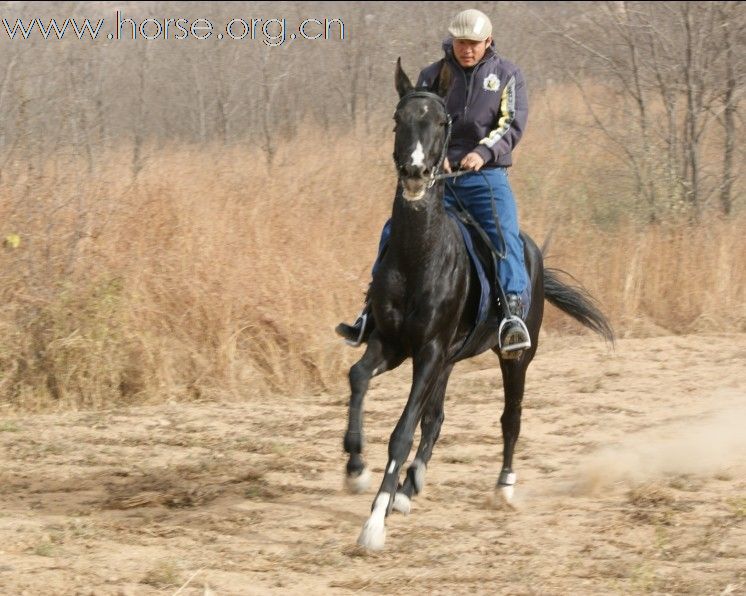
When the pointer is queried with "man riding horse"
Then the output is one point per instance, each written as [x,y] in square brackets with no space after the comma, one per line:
[488,107]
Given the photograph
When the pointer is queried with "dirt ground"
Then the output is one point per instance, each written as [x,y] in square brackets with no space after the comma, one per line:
[631,479]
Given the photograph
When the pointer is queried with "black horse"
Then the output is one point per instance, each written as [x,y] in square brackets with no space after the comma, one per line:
[424,298]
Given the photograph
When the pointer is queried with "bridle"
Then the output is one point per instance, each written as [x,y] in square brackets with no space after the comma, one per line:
[436,174]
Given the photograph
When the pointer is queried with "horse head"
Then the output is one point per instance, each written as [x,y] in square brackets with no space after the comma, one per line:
[422,131]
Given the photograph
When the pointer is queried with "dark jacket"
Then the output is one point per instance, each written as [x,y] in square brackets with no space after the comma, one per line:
[489,115]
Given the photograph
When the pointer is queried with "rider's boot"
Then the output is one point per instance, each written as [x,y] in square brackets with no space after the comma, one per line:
[514,336]
[357,333]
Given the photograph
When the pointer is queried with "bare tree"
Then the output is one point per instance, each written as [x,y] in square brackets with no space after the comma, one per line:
[732,22]
[669,55]
[272,76]
[140,111]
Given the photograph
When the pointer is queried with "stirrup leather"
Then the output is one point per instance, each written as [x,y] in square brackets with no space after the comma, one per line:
[514,347]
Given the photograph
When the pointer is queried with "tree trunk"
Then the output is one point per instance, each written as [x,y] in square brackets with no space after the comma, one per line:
[729,120]
[692,146]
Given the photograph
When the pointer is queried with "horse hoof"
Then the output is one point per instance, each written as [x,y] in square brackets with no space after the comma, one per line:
[506,494]
[505,489]
[373,535]
[502,498]
[402,503]
[498,501]
[358,483]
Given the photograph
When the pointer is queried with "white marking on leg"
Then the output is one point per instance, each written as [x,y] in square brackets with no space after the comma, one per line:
[358,484]
[402,503]
[392,466]
[419,474]
[418,155]
[507,479]
[373,534]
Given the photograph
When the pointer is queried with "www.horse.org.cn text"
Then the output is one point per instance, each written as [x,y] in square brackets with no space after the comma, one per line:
[272,32]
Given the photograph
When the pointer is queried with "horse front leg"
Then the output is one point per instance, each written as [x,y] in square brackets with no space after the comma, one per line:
[378,358]
[427,367]
[432,421]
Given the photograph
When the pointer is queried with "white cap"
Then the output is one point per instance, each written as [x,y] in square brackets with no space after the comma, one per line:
[470,24]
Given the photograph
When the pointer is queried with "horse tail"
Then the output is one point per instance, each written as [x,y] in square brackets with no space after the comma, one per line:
[576,302]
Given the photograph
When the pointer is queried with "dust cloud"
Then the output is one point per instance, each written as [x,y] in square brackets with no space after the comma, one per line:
[705,445]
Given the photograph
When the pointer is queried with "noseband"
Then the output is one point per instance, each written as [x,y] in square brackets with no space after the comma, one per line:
[435,175]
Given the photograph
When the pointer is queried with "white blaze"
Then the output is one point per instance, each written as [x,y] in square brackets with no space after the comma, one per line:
[418,155]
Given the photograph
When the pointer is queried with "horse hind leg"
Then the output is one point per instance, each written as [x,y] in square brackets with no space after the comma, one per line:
[432,421]
[377,359]
[514,379]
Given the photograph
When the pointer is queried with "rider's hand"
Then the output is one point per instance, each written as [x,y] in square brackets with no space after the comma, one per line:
[446,166]
[472,161]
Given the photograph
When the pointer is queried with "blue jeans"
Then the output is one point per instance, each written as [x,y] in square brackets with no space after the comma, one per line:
[474,193]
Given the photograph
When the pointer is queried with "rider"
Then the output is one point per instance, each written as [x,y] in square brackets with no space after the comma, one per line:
[488,105]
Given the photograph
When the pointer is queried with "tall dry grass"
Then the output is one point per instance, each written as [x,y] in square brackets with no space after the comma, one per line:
[213,277]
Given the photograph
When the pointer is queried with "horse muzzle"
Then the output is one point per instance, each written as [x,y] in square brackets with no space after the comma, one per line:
[414,188]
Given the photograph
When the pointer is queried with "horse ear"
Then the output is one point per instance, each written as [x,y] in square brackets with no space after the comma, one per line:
[444,80]
[403,84]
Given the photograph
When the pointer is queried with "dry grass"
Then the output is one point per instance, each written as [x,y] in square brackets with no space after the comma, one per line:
[164,574]
[211,276]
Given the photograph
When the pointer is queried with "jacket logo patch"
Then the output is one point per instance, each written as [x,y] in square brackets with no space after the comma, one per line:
[491,82]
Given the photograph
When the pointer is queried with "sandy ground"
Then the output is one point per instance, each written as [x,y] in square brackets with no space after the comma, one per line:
[631,479]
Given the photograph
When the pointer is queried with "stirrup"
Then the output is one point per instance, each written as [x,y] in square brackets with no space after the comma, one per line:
[344,329]
[513,347]
[363,323]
